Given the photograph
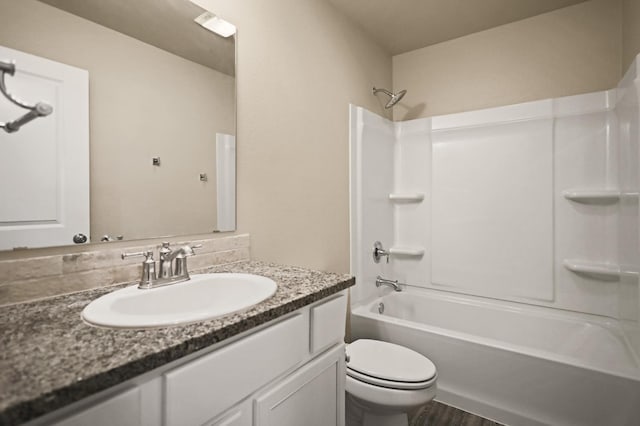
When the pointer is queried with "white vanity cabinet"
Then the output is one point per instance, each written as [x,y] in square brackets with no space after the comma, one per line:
[312,396]
[289,372]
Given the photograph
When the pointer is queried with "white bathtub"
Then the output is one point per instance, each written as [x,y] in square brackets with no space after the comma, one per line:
[516,364]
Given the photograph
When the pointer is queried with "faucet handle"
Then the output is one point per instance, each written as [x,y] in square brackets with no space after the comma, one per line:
[148,255]
[187,249]
[379,251]
[149,276]
[164,250]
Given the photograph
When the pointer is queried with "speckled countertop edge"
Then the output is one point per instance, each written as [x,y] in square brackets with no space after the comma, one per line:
[50,358]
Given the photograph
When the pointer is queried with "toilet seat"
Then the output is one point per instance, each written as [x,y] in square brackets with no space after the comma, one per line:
[390,383]
[389,365]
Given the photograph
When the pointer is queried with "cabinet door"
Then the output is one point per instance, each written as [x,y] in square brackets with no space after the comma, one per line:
[240,415]
[311,396]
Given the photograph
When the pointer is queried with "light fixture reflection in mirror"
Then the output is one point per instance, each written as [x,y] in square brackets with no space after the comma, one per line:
[151,94]
[216,24]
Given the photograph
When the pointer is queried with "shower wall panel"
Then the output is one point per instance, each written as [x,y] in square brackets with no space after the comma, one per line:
[585,157]
[492,209]
[412,220]
[495,221]
[371,155]
[628,115]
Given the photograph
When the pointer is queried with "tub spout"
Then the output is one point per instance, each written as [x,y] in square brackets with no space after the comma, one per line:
[391,283]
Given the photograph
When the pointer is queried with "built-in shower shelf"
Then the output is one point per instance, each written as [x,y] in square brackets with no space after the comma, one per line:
[592,196]
[603,271]
[406,197]
[407,251]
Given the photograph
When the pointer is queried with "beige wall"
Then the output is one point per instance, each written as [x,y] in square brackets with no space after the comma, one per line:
[569,51]
[144,102]
[300,64]
[630,31]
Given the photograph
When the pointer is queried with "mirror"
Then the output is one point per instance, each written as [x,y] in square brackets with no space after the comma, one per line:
[160,113]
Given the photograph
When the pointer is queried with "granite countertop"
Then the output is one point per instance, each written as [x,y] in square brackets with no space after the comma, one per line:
[50,358]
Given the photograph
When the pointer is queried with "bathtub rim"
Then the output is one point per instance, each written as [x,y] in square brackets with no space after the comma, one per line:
[368,308]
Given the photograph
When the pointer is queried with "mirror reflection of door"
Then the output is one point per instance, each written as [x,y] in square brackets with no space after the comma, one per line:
[44,166]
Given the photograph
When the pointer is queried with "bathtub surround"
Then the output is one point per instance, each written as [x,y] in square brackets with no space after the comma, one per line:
[35,278]
[628,229]
[482,176]
[36,335]
[533,203]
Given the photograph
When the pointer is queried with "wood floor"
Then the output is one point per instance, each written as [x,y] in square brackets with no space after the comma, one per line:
[438,414]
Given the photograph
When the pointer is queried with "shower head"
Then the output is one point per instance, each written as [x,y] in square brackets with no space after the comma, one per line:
[395,97]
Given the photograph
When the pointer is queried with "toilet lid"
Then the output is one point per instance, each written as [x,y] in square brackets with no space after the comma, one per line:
[388,362]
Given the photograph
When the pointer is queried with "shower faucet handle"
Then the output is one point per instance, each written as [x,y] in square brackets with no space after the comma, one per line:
[379,251]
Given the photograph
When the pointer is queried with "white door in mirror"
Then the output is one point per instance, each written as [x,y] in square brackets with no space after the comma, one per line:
[205,296]
[44,167]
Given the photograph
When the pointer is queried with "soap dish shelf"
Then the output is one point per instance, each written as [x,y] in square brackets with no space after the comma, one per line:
[592,196]
[407,251]
[406,197]
[602,271]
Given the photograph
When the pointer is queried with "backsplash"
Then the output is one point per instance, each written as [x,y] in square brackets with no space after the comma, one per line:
[23,280]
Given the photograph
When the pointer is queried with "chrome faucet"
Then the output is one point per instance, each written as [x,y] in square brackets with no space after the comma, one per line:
[178,259]
[172,267]
[165,268]
[391,283]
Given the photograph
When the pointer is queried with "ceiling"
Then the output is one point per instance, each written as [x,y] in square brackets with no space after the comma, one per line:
[397,25]
[166,24]
[404,25]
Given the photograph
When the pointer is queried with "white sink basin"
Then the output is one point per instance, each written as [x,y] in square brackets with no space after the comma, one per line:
[205,296]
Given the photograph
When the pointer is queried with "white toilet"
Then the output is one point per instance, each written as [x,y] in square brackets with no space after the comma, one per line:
[386,383]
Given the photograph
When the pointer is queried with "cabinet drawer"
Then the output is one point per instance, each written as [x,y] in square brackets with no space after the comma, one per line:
[122,409]
[328,323]
[203,389]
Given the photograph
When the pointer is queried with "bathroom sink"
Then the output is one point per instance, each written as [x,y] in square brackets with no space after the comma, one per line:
[203,297]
